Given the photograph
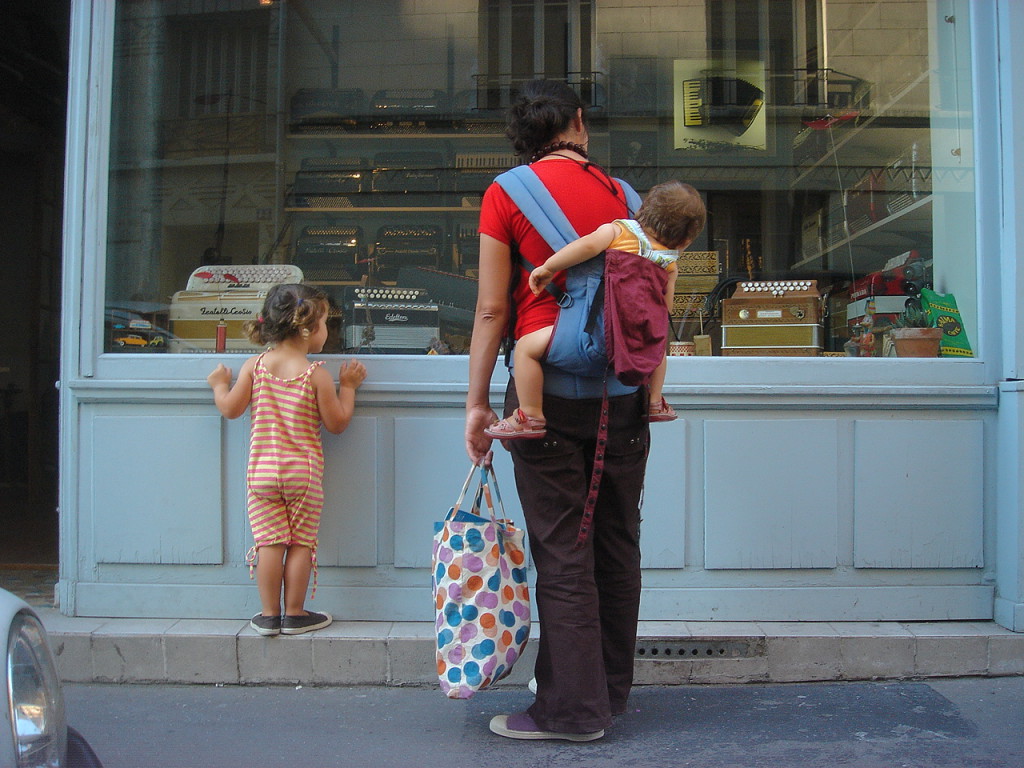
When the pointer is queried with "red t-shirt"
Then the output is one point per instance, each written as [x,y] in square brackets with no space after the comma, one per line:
[585,196]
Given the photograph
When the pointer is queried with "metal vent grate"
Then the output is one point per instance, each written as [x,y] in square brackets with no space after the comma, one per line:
[674,649]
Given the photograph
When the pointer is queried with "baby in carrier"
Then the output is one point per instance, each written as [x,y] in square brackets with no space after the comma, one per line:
[671,217]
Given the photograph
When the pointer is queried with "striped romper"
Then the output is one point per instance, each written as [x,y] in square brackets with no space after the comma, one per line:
[286,461]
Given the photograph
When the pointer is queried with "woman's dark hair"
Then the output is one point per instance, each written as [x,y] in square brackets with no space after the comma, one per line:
[541,111]
[288,309]
[673,212]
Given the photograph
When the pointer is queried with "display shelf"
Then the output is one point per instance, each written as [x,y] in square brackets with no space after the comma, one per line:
[912,221]
[374,136]
[849,134]
[388,209]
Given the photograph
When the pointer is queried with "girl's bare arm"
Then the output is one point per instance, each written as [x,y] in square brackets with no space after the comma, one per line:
[336,407]
[232,401]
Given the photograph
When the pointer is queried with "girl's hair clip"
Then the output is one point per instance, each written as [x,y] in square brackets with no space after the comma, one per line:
[260,319]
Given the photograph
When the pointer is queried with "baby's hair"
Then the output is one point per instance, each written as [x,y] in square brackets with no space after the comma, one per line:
[289,308]
[673,212]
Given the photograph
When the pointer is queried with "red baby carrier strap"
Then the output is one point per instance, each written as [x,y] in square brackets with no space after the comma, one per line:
[587,521]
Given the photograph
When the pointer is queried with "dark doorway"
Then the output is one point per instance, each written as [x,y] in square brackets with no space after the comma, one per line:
[33,94]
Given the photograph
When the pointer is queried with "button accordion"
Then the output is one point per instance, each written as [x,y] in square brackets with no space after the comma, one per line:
[398,320]
[778,318]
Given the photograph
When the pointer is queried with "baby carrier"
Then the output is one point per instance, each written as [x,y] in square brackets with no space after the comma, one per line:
[579,343]
[612,313]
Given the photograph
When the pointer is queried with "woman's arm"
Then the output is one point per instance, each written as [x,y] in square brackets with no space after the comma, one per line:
[232,401]
[489,326]
[587,247]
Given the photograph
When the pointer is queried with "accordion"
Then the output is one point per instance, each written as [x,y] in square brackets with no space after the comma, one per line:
[403,246]
[409,110]
[399,173]
[475,171]
[327,182]
[409,101]
[781,317]
[399,320]
[224,278]
[467,248]
[195,316]
[322,109]
[329,253]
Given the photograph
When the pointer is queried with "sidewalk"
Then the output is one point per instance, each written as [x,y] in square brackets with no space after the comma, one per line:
[402,653]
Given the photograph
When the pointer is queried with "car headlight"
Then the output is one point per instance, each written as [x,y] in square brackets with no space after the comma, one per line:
[34,696]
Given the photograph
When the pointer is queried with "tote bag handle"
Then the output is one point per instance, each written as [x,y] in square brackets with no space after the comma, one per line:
[482,495]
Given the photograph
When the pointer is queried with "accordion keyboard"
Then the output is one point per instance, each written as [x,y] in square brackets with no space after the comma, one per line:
[218,278]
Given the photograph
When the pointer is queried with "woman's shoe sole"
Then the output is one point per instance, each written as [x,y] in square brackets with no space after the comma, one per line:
[499,725]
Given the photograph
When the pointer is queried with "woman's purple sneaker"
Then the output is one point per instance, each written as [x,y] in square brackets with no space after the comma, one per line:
[521,726]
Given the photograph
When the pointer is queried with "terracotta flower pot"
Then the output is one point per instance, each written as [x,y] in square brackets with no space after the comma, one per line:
[916,342]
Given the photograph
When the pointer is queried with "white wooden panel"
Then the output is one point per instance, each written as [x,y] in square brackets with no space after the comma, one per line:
[157,485]
[663,532]
[918,494]
[430,467]
[348,525]
[771,498]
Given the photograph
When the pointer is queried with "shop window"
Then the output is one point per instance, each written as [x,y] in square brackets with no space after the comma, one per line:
[348,144]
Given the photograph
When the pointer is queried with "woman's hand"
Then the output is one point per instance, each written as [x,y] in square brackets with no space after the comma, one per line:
[478,445]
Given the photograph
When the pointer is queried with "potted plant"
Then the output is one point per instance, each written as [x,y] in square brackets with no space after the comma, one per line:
[914,334]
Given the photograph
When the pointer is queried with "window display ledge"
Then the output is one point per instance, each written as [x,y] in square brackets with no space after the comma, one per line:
[840,397]
[402,392]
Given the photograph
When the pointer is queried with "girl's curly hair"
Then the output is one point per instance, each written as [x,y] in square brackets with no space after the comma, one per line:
[673,212]
[287,310]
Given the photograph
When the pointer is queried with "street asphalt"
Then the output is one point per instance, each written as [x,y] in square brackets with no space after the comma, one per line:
[939,723]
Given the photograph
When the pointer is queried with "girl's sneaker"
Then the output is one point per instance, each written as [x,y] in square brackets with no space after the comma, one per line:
[518,426]
[660,412]
[268,626]
[296,625]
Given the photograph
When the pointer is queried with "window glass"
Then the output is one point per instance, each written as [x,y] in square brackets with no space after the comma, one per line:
[348,144]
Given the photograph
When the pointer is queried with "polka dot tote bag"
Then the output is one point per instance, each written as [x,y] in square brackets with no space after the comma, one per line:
[480,591]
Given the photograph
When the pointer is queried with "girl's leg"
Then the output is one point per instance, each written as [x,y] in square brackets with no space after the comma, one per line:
[529,375]
[270,577]
[297,566]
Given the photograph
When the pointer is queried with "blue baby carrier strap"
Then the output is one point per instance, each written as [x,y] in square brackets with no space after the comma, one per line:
[536,203]
[577,360]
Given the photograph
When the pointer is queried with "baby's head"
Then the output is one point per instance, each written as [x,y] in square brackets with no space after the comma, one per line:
[289,309]
[673,213]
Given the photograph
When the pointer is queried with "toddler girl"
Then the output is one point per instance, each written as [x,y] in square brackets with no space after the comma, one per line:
[290,398]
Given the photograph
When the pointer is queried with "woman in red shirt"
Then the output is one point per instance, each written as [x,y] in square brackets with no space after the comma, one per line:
[587,597]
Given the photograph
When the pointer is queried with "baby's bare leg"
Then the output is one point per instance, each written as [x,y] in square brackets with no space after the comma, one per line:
[528,372]
[657,383]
